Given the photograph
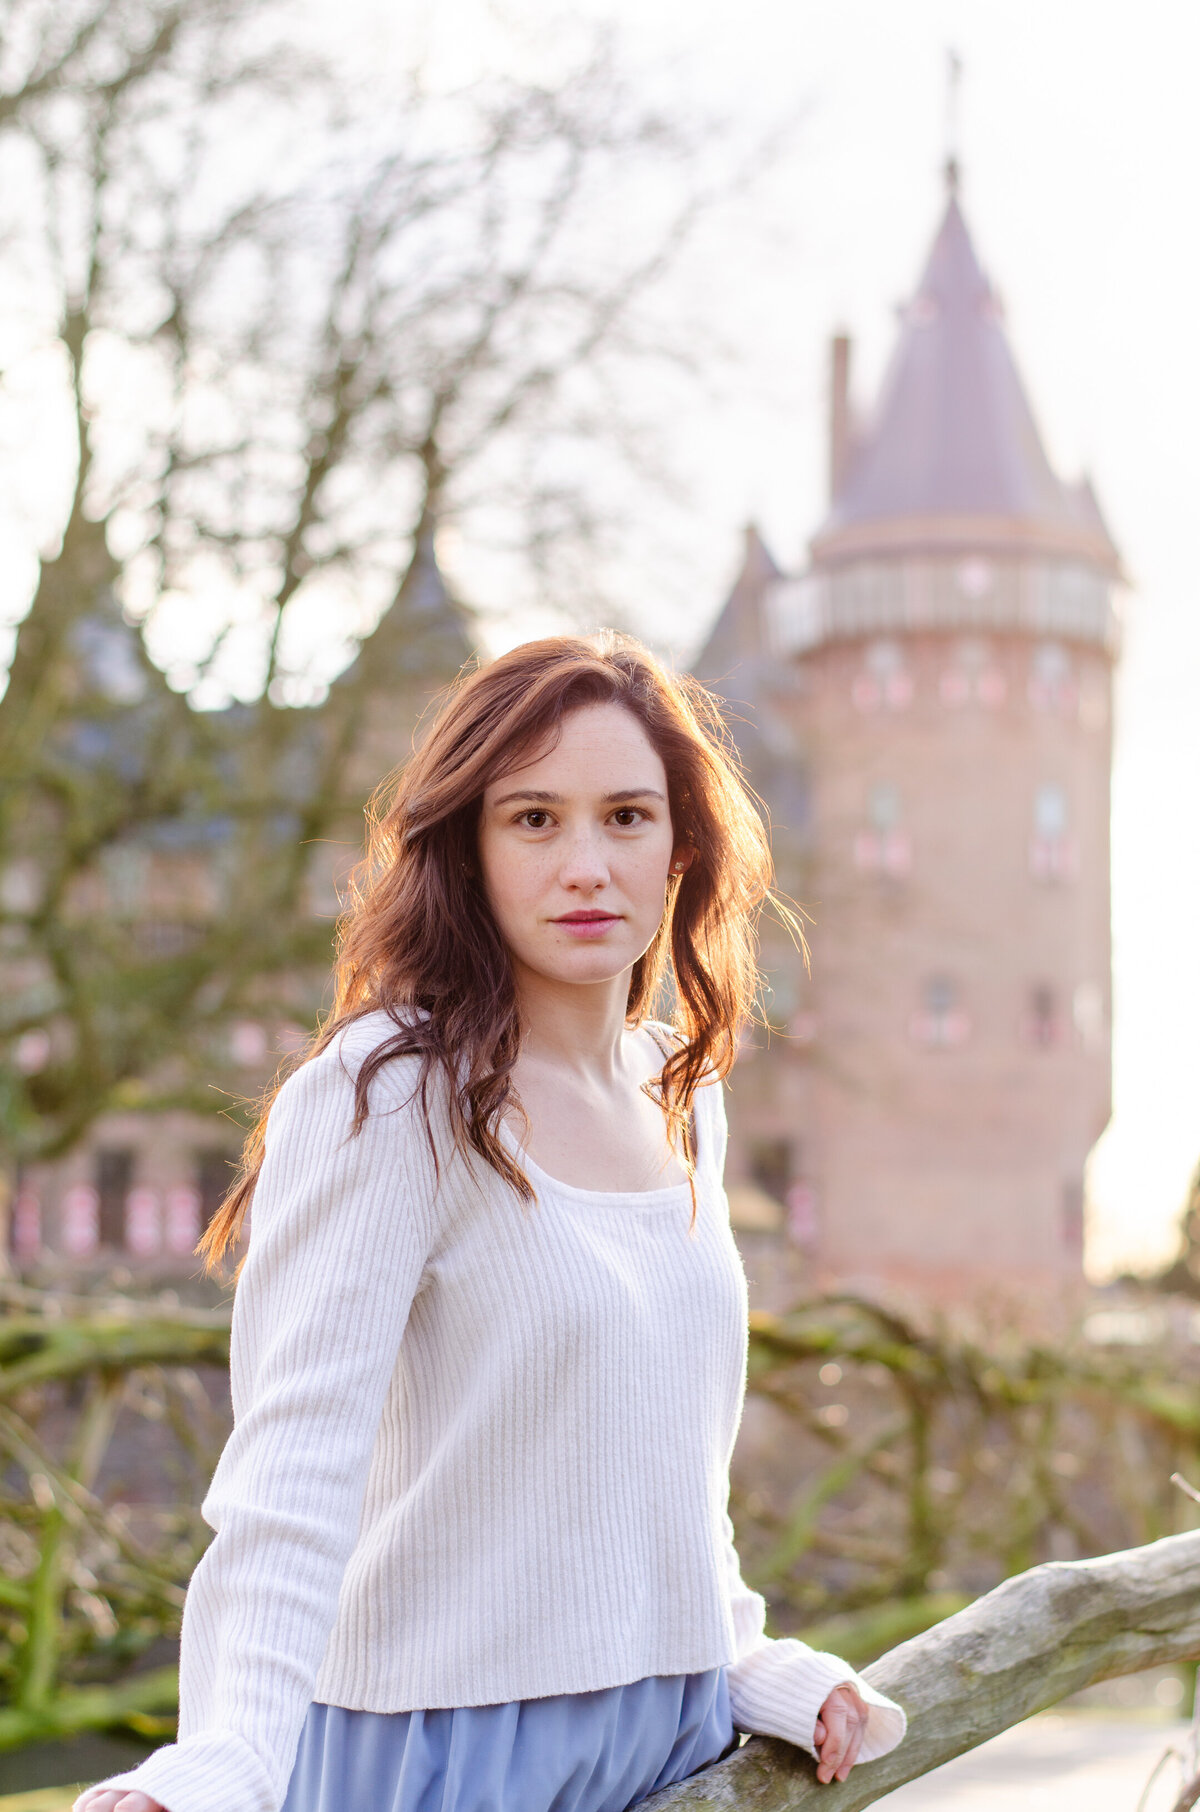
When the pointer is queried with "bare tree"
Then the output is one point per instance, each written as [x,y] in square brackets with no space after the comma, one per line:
[272,331]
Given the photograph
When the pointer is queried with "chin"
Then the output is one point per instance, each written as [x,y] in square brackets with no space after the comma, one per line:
[589,974]
[586,968]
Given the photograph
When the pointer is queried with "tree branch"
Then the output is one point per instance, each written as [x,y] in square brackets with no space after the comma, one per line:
[1033,1641]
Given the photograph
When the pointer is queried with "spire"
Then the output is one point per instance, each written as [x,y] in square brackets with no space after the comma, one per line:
[731,657]
[741,664]
[424,635]
[953,439]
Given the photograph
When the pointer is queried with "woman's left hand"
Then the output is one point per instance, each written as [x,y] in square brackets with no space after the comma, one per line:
[841,1726]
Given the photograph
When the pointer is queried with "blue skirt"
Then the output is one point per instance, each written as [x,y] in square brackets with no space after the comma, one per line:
[576,1752]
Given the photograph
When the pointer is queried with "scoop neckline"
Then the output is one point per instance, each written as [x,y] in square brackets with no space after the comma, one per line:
[665,1196]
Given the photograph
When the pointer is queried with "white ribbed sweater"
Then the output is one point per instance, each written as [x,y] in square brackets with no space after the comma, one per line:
[480,1450]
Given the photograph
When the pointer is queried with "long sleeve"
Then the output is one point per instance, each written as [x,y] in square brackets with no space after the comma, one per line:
[341,1231]
[777,1686]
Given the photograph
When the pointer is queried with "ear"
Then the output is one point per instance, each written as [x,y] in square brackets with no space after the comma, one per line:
[681,859]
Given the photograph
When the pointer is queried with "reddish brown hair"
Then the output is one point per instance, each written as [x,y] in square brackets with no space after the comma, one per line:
[418,932]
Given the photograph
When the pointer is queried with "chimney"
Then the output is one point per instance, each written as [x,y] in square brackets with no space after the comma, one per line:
[839,411]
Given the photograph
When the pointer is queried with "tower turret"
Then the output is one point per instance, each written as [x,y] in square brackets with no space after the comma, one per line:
[944,666]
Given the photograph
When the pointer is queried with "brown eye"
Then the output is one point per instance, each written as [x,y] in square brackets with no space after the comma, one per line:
[527,818]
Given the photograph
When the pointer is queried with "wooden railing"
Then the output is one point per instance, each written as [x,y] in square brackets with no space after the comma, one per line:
[1027,1645]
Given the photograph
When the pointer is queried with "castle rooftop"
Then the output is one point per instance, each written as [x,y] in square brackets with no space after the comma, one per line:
[951,457]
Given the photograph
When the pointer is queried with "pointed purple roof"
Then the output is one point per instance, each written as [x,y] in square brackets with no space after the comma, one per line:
[424,635]
[952,438]
[730,657]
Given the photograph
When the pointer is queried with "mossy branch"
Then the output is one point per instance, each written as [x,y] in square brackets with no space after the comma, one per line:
[146,1704]
[41,1351]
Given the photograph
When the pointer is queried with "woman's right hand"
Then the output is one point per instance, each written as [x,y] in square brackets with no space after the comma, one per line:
[115,1799]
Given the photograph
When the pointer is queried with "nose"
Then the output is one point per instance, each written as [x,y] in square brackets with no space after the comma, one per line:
[584,864]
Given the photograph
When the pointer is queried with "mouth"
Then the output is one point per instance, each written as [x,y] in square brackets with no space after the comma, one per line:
[587,924]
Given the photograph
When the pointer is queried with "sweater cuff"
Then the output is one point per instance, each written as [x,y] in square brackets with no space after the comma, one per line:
[214,1771]
[778,1690]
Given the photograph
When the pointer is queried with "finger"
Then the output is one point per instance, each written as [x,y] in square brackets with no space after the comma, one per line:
[137,1802]
[831,1751]
[835,1721]
[834,1746]
[849,1754]
[818,1734]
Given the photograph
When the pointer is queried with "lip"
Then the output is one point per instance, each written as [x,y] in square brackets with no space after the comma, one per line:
[587,924]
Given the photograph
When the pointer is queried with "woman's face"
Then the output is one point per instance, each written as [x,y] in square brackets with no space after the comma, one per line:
[575,850]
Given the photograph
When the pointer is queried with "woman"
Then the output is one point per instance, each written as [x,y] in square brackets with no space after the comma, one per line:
[472,1550]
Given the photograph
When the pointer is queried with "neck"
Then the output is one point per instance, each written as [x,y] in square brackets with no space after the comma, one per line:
[575,1027]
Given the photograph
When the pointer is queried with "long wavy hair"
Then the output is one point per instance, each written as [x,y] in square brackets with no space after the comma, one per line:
[419,941]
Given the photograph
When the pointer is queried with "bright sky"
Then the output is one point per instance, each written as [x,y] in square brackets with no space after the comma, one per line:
[1080,139]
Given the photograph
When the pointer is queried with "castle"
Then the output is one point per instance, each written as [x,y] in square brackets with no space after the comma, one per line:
[926,712]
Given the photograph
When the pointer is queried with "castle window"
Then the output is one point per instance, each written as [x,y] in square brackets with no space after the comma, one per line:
[1052,852]
[803,1224]
[1043,1021]
[883,847]
[940,1020]
[143,1222]
[884,681]
[214,1179]
[973,677]
[25,1223]
[883,806]
[1051,681]
[182,1228]
[1050,812]
[79,1221]
[771,1166]
[114,1179]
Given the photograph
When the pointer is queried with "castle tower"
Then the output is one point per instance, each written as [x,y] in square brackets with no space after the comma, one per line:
[937,687]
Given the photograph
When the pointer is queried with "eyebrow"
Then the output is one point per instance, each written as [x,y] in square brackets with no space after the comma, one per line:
[633,792]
